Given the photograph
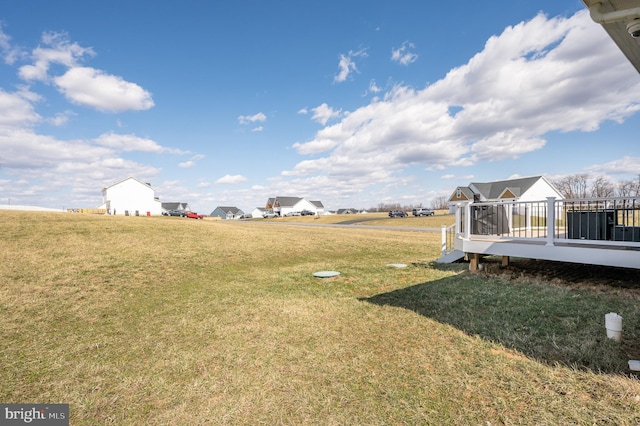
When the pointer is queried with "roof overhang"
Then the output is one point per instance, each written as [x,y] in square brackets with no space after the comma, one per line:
[617,18]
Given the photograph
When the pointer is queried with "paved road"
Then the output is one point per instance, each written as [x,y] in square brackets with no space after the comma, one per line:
[349,224]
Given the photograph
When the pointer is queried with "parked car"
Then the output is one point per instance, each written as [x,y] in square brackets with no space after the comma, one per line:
[193,215]
[307,213]
[246,216]
[269,215]
[423,212]
[173,213]
[397,213]
[293,214]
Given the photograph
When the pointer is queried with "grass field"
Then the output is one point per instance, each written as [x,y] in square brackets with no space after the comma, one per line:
[171,321]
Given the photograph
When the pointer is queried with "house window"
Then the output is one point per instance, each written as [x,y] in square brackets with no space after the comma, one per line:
[458,193]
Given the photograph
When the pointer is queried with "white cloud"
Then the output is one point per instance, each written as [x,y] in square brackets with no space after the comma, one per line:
[10,53]
[16,110]
[257,129]
[58,50]
[452,176]
[248,119]
[323,113]
[347,65]
[61,118]
[104,92]
[626,165]
[128,143]
[231,180]
[81,85]
[373,87]
[540,76]
[187,164]
[402,54]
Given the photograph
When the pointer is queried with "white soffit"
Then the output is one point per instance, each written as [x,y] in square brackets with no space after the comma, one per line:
[614,16]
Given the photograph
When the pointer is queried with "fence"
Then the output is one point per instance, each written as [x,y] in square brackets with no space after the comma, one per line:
[88,211]
[587,219]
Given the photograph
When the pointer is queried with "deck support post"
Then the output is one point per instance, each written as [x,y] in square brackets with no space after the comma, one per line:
[551,219]
[474,261]
[443,248]
[505,261]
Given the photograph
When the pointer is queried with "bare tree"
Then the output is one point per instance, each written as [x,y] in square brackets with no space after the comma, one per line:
[602,187]
[439,203]
[628,188]
[573,186]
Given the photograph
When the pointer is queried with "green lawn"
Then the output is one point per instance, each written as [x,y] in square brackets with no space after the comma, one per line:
[136,320]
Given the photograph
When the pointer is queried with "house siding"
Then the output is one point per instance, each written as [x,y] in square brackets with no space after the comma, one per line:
[540,191]
[131,195]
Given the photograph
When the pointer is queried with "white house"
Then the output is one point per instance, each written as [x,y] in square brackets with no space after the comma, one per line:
[258,212]
[284,205]
[522,189]
[131,197]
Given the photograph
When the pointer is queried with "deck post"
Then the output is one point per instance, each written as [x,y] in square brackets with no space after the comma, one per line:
[474,261]
[551,220]
[505,261]
[467,220]
[443,248]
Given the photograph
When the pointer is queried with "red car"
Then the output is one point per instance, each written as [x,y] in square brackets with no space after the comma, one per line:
[193,215]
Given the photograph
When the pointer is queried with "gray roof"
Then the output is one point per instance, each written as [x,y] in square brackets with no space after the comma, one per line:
[228,210]
[286,201]
[291,202]
[175,206]
[493,190]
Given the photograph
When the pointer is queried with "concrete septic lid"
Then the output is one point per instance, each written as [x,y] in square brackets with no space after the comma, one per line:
[326,274]
[397,265]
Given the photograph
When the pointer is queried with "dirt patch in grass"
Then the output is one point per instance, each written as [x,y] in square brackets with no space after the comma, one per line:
[572,275]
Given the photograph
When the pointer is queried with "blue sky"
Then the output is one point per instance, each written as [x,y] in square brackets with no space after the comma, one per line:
[351,103]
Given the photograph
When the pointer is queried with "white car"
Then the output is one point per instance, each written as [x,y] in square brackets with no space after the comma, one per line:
[422,212]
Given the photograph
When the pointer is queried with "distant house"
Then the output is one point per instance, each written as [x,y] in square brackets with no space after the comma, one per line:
[258,212]
[319,207]
[534,188]
[227,212]
[284,205]
[183,207]
[130,197]
[347,211]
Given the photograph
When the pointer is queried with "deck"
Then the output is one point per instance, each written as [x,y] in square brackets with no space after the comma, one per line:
[597,231]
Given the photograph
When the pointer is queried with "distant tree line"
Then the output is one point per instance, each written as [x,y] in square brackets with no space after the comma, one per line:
[581,185]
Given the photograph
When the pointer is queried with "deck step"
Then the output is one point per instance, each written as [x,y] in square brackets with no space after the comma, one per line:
[451,257]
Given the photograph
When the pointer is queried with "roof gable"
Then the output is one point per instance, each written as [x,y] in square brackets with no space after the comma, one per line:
[148,185]
[228,210]
[495,190]
[510,193]
[462,193]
